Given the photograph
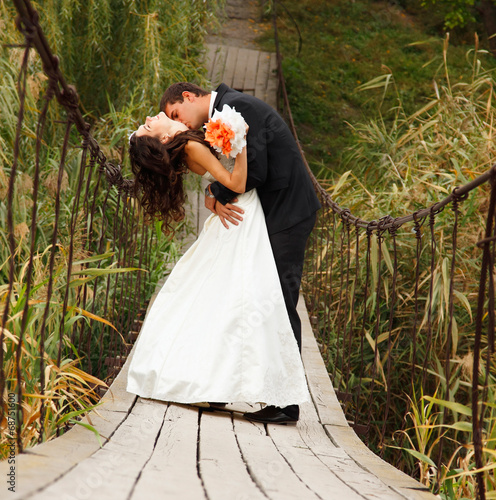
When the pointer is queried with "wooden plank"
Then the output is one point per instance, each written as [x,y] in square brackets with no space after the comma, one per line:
[315,436]
[262,75]
[400,482]
[47,462]
[272,82]
[240,69]
[331,416]
[251,72]
[232,56]
[171,472]
[112,471]
[267,466]
[338,461]
[308,467]
[323,395]
[209,60]
[222,470]
[219,66]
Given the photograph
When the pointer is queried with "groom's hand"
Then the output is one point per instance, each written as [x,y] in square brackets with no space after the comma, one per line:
[229,213]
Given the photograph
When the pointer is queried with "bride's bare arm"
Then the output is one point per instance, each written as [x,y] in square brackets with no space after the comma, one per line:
[200,160]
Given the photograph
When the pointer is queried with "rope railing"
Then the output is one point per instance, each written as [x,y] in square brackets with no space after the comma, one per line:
[28,23]
[351,285]
[76,294]
[85,308]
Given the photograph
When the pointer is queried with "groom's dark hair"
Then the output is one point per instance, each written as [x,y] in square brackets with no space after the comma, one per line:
[175,93]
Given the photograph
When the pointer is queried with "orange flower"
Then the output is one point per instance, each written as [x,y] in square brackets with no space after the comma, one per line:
[219,135]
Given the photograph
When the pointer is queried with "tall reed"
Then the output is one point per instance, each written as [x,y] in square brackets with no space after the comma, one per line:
[121,57]
[402,162]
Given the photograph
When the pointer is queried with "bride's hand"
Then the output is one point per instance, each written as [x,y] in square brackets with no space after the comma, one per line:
[210,204]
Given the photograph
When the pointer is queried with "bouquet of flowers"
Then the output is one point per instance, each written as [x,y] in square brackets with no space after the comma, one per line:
[226,131]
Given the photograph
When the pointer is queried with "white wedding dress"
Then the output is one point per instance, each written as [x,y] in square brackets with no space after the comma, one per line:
[218,329]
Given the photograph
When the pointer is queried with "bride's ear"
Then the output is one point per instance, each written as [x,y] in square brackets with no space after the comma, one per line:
[164,138]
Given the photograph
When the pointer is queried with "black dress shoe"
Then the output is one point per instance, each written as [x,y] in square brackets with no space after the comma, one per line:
[275,415]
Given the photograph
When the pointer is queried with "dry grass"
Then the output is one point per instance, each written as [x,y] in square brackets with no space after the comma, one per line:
[400,163]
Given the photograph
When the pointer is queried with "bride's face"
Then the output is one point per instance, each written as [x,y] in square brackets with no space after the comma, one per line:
[160,126]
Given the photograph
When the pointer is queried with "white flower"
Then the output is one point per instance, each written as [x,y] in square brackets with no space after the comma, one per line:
[237,124]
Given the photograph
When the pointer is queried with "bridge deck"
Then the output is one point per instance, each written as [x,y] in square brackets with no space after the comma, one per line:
[250,71]
[152,449]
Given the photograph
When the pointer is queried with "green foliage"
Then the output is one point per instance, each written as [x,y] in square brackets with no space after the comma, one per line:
[104,233]
[457,12]
[115,49]
[400,162]
[345,44]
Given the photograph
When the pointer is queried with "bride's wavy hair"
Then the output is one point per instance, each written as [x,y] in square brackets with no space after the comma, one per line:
[159,169]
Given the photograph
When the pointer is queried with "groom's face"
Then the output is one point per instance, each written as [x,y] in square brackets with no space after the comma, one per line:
[189,111]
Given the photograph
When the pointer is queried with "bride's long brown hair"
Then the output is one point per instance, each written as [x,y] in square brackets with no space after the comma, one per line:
[159,169]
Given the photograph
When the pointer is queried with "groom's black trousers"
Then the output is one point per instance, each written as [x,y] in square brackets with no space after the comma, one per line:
[288,247]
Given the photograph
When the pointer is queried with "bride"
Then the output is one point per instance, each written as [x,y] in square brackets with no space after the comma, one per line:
[218,330]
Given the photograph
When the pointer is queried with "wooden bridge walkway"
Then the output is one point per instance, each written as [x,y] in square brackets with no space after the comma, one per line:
[155,450]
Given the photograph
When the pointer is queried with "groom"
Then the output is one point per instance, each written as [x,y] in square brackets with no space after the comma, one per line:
[277,171]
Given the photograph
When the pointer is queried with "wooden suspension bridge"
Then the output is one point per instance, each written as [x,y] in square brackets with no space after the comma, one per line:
[152,449]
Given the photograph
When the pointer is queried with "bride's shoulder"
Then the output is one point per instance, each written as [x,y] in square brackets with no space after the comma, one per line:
[193,147]
[196,156]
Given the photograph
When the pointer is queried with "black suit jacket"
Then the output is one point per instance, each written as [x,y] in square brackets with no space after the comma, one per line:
[275,166]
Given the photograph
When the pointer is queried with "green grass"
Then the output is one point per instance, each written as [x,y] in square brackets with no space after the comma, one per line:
[400,116]
[346,44]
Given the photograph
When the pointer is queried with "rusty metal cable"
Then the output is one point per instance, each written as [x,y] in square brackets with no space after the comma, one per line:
[11,241]
[330,329]
[82,216]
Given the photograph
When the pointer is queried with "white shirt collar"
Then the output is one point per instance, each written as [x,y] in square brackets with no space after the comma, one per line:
[213,95]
